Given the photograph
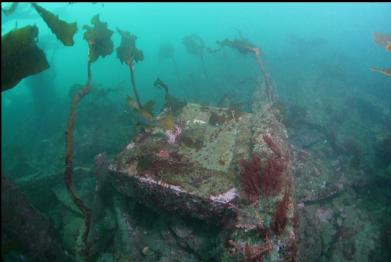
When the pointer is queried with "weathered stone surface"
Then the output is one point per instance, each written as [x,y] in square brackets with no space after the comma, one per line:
[194,176]
[194,170]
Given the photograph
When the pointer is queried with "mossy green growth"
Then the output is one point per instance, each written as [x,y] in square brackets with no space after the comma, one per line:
[127,52]
[20,56]
[99,39]
[64,31]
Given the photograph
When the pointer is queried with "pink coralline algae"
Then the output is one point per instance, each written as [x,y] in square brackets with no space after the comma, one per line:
[172,135]
[163,154]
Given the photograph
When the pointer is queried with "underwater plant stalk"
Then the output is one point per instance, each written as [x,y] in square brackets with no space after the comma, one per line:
[134,84]
[176,68]
[203,66]
[68,174]
[266,76]
[89,73]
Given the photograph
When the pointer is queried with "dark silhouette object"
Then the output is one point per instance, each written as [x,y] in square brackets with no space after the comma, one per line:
[24,229]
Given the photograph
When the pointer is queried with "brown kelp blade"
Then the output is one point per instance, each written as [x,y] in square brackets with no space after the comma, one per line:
[98,38]
[127,51]
[20,56]
[386,72]
[64,31]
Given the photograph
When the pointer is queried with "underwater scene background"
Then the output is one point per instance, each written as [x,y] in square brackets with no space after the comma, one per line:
[312,183]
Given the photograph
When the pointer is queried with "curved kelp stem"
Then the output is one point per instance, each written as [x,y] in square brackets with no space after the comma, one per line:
[68,174]
[243,46]
[266,76]
[131,69]
[129,54]
[89,73]
[99,44]
[203,66]
[176,68]
[195,45]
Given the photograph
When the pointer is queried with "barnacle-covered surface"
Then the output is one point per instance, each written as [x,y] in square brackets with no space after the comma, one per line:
[198,176]
[195,170]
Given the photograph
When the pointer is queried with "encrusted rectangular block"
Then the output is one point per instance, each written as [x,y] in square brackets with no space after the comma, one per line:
[190,169]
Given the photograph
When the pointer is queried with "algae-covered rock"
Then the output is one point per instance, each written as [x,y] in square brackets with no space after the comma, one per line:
[20,56]
[99,39]
[64,31]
